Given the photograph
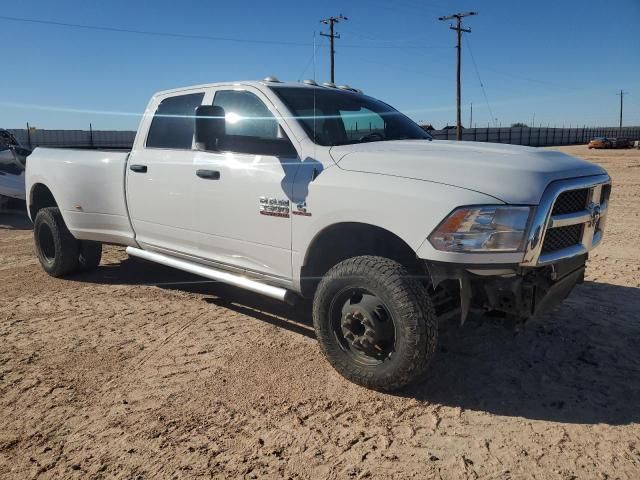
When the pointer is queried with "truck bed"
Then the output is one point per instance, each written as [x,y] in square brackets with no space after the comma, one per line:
[88,186]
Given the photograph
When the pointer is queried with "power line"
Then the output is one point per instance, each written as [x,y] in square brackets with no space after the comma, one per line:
[403,8]
[375,38]
[402,47]
[475,67]
[148,32]
[421,6]
[459,31]
[196,36]
[396,67]
[529,79]
[331,21]
[378,39]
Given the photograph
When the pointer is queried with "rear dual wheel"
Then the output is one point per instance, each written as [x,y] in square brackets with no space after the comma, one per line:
[58,251]
[89,255]
[375,323]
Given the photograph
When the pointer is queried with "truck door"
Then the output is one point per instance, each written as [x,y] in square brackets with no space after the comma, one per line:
[161,177]
[244,205]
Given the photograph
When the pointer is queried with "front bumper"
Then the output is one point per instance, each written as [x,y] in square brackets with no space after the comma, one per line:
[511,289]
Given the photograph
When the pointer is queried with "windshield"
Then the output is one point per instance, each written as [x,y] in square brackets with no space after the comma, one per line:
[337,117]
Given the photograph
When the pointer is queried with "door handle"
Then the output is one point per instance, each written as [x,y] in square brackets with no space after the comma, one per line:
[138,168]
[208,174]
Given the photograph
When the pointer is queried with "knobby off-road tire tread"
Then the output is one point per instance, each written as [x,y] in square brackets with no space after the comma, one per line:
[89,255]
[413,306]
[66,246]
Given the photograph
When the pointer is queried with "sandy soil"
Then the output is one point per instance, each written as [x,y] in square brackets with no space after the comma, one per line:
[136,371]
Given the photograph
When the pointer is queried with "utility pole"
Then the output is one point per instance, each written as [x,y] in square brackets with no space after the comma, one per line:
[459,30]
[621,94]
[332,35]
[471,116]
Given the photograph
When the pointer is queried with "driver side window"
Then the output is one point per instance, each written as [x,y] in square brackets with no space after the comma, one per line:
[246,115]
[249,125]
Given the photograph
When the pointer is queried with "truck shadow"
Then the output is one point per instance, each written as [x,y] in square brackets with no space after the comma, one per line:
[134,271]
[578,364]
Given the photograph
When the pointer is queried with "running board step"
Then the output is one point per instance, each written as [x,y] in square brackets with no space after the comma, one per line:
[225,277]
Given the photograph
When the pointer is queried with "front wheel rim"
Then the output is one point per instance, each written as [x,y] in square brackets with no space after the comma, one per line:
[363,326]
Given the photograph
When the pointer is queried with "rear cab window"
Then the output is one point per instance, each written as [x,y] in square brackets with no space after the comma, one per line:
[173,124]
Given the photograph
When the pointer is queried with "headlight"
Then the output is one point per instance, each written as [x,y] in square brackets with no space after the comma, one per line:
[482,229]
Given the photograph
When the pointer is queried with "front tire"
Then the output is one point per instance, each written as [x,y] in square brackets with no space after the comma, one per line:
[375,323]
[56,248]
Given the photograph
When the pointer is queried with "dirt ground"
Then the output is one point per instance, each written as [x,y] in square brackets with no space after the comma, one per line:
[137,371]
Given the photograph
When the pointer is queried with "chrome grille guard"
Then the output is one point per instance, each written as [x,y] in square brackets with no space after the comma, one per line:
[592,217]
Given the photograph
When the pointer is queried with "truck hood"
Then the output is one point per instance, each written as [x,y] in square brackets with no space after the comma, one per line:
[511,173]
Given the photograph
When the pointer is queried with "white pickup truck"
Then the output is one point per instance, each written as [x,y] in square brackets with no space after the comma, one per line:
[304,190]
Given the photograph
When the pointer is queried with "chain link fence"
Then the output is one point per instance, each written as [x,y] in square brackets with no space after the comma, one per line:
[535,137]
[74,138]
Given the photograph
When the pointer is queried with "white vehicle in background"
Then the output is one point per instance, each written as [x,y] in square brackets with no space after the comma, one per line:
[13,158]
[300,190]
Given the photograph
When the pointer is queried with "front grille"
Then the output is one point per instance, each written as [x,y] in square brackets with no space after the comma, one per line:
[562,237]
[569,220]
[571,201]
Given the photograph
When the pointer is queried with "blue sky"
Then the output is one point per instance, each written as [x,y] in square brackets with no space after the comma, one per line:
[562,61]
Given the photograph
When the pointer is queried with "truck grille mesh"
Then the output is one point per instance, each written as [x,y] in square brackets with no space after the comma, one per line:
[572,215]
[562,237]
[571,201]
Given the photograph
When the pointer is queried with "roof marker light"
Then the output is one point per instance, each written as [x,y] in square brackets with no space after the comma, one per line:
[310,82]
[272,79]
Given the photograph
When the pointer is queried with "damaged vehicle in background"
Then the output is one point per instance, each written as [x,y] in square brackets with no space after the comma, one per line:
[304,190]
[13,158]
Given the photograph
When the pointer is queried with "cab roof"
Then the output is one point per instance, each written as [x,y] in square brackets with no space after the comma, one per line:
[251,83]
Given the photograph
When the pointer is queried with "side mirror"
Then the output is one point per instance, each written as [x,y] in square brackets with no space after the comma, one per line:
[210,127]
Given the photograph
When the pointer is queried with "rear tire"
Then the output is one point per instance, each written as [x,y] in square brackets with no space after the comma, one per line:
[89,255]
[375,323]
[56,248]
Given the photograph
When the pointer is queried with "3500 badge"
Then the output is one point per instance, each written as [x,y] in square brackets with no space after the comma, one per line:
[274,207]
